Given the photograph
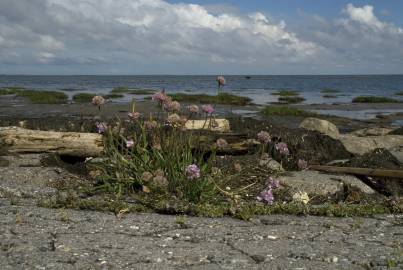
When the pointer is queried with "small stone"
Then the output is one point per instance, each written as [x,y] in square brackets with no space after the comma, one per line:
[335,259]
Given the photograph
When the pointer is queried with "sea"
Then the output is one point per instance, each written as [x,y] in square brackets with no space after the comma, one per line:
[259,88]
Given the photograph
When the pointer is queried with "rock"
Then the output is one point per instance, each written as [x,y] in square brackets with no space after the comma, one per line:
[380,159]
[361,145]
[322,126]
[271,165]
[315,183]
[372,132]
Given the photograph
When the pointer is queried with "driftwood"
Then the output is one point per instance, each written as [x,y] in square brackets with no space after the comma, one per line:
[359,171]
[20,140]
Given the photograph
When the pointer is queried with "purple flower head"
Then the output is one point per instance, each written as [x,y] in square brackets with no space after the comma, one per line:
[101,127]
[302,164]
[150,124]
[171,106]
[129,143]
[134,115]
[192,172]
[208,109]
[221,143]
[159,96]
[273,183]
[193,108]
[98,101]
[282,148]
[263,137]
[221,81]
[266,196]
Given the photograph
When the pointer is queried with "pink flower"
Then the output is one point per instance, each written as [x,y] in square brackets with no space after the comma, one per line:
[273,183]
[302,164]
[282,148]
[129,143]
[263,137]
[160,96]
[266,196]
[193,172]
[221,143]
[221,81]
[134,115]
[171,106]
[207,109]
[174,119]
[101,127]
[98,101]
[193,108]
[146,176]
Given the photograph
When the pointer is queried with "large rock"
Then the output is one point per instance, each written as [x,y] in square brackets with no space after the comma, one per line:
[372,132]
[361,145]
[322,126]
[316,183]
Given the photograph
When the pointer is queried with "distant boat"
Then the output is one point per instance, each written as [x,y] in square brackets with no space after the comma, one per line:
[247,77]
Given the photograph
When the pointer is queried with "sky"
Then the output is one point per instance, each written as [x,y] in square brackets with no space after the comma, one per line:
[129,37]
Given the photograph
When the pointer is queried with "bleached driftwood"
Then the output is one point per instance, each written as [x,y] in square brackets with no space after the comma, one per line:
[359,171]
[20,140]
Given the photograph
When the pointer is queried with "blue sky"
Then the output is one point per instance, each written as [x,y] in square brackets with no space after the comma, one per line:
[201,37]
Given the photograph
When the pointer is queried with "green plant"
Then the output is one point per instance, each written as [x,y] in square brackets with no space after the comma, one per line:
[374,99]
[291,100]
[285,93]
[284,110]
[222,98]
[329,91]
[83,97]
[400,93]
[43,97]
[126,90]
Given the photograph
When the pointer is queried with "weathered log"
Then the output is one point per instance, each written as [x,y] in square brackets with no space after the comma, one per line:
[20,140]
[359,171]
[218,125]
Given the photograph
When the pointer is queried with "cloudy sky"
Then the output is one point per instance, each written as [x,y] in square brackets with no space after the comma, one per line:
[201,37]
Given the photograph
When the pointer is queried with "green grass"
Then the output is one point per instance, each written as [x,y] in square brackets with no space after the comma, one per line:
[126,90]
[83,97]
[43,97]
[285,93]
[113,96]
[374,99]
[284,111]
[10,90]
[329,91]
[223,98]
[329,96]
[291,100]
[400,93]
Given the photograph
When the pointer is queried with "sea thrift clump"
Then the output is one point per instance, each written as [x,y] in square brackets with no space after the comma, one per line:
[263,137]
[134,115]
[98,101]
[221,143]
[273,183]
[282,148]
[208,109]
[221,81]
[101,127]
[192,172]
[266,196]
[146,176]
[171,106]
[174,119]
[193,108]
[302,164]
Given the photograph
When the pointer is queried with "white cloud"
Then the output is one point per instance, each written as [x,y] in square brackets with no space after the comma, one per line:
[158,36]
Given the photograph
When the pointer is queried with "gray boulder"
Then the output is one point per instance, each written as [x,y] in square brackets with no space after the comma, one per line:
[322,126]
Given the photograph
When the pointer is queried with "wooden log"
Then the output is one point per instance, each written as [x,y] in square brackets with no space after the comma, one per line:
[359,171]
[218,125]
[20,140]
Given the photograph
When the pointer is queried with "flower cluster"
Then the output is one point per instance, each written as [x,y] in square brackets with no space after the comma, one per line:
[192,172]
[282,148]
[208,109]
[193,108]
[159,97]
[263,137]
[221,81]
[266,195]
[171,106]
[134,115]
[221,143]
[101,127]
[98,101]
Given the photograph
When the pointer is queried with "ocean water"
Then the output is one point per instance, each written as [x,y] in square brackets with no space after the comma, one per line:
[259,88]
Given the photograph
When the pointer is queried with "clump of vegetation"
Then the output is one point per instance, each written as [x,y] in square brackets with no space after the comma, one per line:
[43,97]
[221,98]
[291,100]
[329,96]
[374,99]
[284,111]
[113,96]
[126,90]
[6,91]
[329,91]
[286,93]
[400,93]
[83,97]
